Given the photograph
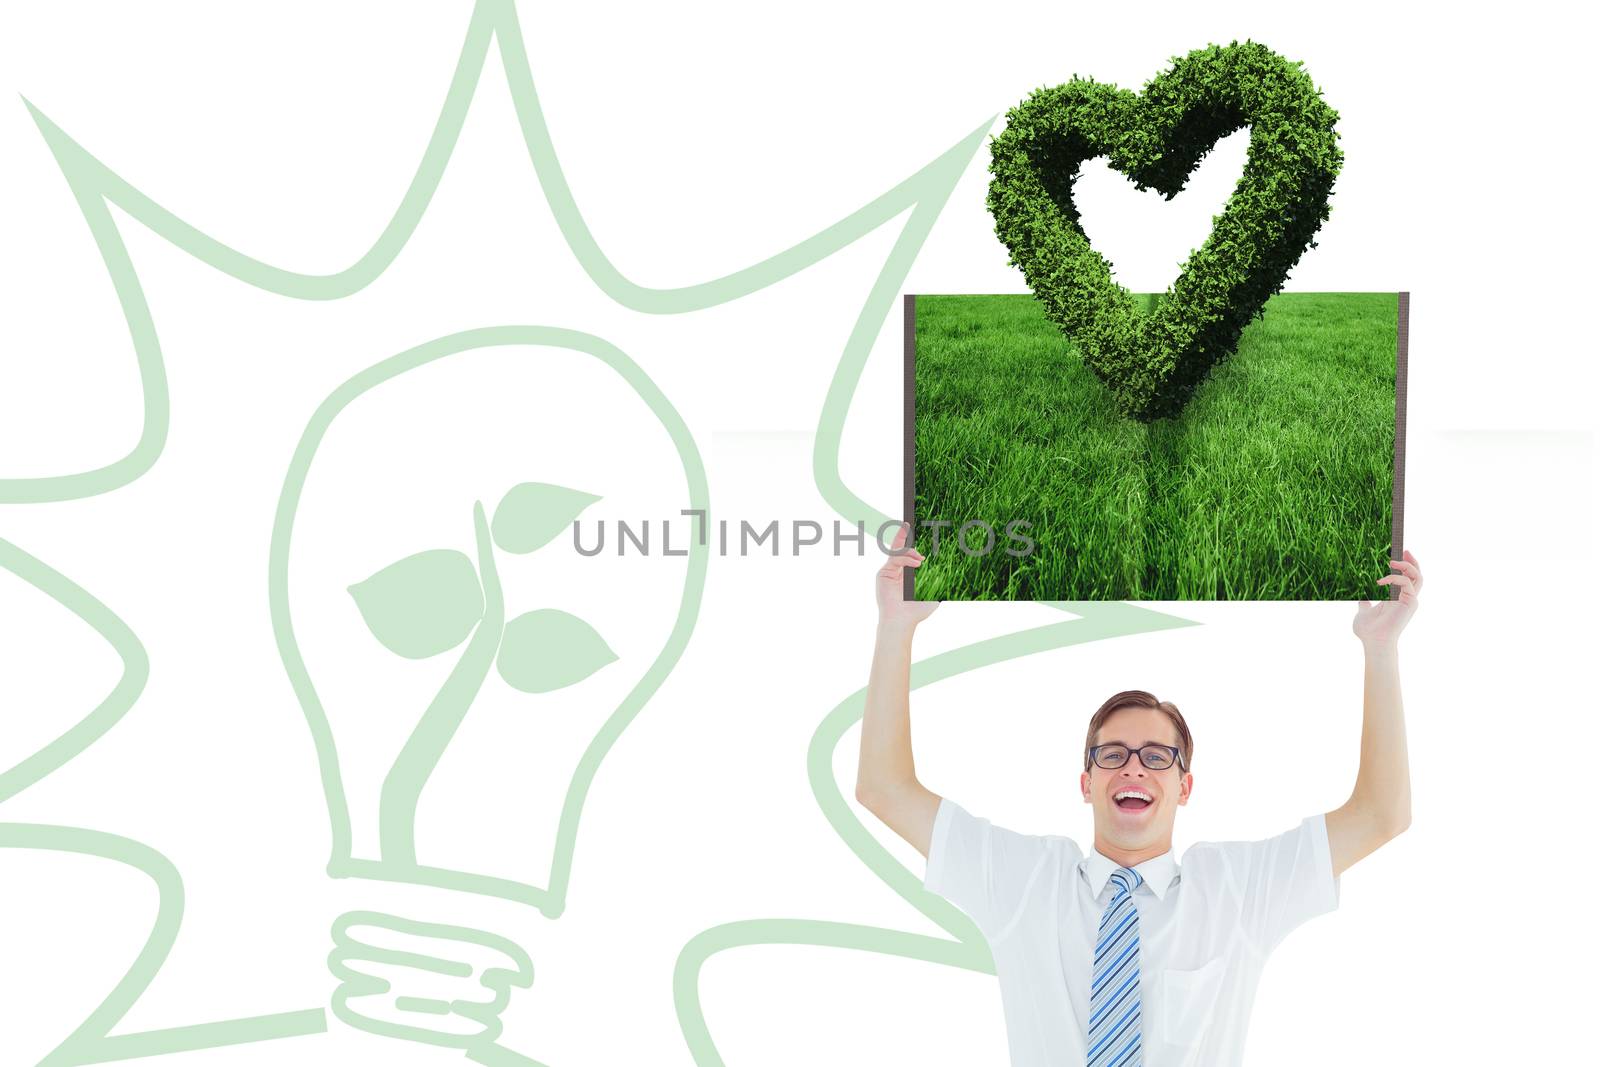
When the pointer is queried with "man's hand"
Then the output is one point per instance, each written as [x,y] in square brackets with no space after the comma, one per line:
[886,780]
[1380,624]
[893,608]
[1379,807]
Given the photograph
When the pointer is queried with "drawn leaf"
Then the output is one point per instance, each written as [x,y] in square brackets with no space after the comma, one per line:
[422,605]
[533,513]
[546,650]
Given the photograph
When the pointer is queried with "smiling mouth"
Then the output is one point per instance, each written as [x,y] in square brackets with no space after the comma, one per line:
[1132,799]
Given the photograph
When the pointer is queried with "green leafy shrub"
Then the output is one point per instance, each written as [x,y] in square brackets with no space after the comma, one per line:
[1153,362]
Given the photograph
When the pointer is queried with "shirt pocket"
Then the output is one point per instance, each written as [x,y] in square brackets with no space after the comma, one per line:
[1187,998]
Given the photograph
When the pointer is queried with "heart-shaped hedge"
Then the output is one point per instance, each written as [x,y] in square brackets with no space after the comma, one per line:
[1154,362]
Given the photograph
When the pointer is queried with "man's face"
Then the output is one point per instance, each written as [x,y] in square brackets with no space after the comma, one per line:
[1121,816]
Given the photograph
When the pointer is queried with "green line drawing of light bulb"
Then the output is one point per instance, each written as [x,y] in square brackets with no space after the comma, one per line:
[482,608]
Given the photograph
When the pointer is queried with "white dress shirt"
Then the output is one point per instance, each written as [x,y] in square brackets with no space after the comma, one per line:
[1204,931]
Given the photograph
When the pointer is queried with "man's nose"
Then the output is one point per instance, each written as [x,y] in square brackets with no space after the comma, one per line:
[1133,768]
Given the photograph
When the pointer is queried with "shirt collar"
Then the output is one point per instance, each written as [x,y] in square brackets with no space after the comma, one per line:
[1158,873]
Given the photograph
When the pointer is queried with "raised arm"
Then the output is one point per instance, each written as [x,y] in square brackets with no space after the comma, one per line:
[1379,807]
[886,778]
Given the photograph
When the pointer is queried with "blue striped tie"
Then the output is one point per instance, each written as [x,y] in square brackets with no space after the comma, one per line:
[1114,994]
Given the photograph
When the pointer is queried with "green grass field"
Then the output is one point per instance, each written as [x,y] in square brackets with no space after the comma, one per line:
[1275,482]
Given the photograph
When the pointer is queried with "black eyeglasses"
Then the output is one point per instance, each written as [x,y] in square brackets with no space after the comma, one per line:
[1155,757]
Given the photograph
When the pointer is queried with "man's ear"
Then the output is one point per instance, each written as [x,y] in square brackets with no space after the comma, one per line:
[1185,787]
[1083,784]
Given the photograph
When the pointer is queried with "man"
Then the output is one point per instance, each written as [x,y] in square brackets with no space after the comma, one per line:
[1120,957]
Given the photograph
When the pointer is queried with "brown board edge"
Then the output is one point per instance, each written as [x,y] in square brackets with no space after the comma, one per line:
[1397,539]
[909,497]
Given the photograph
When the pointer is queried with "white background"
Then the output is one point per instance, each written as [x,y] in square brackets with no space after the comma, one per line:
[698,141]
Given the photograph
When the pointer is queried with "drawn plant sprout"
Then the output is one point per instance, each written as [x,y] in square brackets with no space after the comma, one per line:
[431,602]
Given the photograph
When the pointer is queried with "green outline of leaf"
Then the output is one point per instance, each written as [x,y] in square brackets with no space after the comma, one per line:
[531,514]
[422,605]
[549,649]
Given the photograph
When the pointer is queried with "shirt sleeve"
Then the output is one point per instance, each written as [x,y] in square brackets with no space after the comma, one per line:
[1283,881]
[983,869]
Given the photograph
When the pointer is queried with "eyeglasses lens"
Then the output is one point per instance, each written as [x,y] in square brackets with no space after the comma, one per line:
[1110,757]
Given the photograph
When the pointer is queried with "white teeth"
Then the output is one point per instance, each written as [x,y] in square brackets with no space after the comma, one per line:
[1141,794]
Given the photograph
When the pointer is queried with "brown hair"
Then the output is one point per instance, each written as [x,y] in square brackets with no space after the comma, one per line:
[1138,698]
